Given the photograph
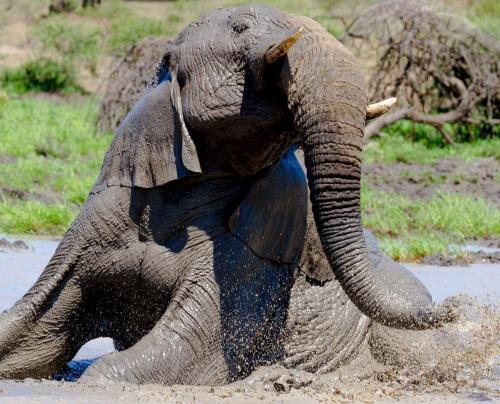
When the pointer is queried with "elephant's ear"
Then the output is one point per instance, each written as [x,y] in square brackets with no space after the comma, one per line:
[272,219]
[152,145]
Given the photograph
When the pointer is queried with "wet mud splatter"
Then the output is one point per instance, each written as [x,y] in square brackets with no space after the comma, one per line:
[460,361]
[457,363]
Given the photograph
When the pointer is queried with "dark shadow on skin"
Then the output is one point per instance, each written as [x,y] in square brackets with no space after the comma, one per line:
[254,292]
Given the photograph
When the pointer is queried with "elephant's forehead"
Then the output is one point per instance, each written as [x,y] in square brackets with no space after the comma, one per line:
[206,26]
[219,20]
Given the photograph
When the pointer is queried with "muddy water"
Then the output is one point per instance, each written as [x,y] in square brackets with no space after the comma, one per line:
[19,268]
[477,280]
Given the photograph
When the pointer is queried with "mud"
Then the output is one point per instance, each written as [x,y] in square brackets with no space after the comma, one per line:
[467,369]
[477,177]
[462,260]
[12,245]
[460,363]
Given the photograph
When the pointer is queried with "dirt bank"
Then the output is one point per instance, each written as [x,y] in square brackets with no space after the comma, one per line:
[479,177]
[462,260]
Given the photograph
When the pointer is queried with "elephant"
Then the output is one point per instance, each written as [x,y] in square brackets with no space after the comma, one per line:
[207,247]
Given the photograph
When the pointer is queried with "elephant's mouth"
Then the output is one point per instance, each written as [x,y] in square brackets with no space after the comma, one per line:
[257,118]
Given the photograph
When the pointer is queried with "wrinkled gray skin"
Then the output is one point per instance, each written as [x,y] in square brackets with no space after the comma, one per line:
[195,250]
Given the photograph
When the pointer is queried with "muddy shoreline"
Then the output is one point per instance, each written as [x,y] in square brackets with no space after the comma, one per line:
[54,392]
[467,371]
[479,257]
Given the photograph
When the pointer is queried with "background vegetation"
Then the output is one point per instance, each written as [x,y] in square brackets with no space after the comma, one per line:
[51,151]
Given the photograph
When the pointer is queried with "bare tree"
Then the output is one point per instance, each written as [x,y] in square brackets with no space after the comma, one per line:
[440,68]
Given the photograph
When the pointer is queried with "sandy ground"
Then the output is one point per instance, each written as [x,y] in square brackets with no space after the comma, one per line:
[21,262]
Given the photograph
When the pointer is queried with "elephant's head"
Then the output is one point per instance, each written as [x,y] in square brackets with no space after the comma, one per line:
[252,81]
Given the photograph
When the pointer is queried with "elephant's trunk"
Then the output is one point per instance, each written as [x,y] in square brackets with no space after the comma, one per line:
[327,96]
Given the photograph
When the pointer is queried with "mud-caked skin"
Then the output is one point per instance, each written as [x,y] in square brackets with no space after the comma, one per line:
[198,250]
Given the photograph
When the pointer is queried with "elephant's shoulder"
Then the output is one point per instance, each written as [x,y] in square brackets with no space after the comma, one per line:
[272,219]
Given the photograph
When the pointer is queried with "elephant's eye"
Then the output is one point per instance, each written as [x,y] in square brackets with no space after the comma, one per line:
[239,27]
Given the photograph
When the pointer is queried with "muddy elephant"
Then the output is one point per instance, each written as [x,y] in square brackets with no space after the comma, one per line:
[205,248]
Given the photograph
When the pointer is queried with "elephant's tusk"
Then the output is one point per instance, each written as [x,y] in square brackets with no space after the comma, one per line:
[379,108]
[279,50]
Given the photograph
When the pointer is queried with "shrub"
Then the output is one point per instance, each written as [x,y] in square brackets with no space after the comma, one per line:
[41,74]
[62,6]
[48,75]
[73,42]
[443,71]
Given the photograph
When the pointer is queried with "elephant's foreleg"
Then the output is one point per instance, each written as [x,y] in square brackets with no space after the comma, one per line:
[184,347]
[36,342]
[38,337]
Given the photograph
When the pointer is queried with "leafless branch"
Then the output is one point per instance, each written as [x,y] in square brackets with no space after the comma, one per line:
[373,127]
[447,71]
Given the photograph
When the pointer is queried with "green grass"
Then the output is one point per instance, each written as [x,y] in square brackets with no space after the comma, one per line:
[393,148]
[72,41]
[33,217]
[409,228]
[53,155]
[486,14]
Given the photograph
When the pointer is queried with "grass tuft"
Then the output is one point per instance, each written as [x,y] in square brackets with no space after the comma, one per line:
[51,159]
[34,217]
[397,148]
[411,228]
